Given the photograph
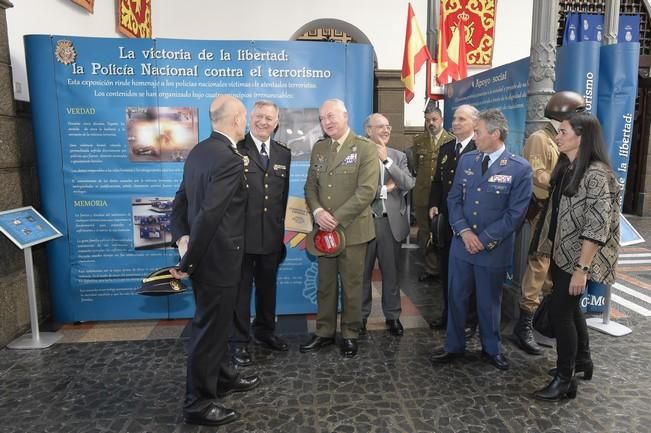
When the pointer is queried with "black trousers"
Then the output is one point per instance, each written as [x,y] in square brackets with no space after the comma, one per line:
[263,269]
[572,341]
[208,360]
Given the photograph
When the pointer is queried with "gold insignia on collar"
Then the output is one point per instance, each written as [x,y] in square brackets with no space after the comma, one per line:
[445,158]
[503,162]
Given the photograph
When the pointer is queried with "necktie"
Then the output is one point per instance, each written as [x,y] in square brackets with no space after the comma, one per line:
[264,155]
[457,149]
[484,164]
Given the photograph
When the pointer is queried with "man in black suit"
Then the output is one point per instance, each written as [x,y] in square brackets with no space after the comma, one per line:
[266,165]
[463,125]
[208,228]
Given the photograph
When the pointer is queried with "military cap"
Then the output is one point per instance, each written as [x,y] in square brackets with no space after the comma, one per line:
[160,283]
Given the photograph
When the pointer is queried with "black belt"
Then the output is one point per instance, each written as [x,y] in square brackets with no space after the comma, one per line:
[384,215]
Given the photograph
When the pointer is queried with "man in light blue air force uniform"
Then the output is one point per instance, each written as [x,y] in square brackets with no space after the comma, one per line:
[487,204]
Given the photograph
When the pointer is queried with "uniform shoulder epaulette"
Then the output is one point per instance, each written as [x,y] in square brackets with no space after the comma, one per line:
[361,137]
[320,140]
[237,152]
[519,159]
[283,145]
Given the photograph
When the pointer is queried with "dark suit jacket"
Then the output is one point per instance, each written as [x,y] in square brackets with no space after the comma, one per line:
[444,175]
[268,192]
[210,207]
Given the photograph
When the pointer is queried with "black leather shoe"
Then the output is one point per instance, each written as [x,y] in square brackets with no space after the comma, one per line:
[586,367]
[272,342]
[241,384]
[498,361]
[363,331]
[315,344]
[470,331]
[444,357]
[242,357]
[348,348]
[395,327]
[426,276]
[558,389]
[214,414]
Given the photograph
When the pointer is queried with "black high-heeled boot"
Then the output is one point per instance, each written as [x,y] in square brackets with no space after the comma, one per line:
[585,367]
[558,389]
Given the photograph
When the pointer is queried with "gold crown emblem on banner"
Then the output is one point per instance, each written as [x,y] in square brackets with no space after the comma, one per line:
[463,16]
[65,52]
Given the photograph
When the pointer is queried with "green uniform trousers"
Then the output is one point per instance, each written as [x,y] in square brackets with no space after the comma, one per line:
[350,266]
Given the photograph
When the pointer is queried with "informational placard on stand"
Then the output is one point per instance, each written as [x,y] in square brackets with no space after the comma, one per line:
[26,227]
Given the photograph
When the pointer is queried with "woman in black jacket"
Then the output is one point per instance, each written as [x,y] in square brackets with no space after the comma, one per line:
[580,232]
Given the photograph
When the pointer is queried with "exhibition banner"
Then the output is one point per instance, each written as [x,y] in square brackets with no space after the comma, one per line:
[617,91]
[590,27]
[577,69]
[504,87]
[114,120]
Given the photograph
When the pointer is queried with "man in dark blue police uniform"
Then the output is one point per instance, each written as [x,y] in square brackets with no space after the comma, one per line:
[487,204]
[266,166]
[208,228]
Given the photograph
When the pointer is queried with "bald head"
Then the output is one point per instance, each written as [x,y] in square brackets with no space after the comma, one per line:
[228,115]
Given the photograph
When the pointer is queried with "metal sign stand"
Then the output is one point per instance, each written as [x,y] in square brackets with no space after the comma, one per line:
[35,340]
[25,227]
[604,324]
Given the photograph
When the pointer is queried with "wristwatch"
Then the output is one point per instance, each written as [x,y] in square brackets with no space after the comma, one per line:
[583,268]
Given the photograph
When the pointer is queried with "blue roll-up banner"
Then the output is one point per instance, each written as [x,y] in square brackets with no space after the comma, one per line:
[577,69]
[590,27]
[113,122]
[617,92]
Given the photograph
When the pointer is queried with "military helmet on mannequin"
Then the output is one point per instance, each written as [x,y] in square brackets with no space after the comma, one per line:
[563,103]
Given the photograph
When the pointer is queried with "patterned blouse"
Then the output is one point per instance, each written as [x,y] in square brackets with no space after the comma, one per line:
[593,214]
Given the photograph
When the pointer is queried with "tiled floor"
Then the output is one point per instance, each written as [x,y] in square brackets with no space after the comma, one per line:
[129,377]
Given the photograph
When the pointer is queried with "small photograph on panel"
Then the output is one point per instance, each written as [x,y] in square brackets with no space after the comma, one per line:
[161,134]
[299,129]
[151,222]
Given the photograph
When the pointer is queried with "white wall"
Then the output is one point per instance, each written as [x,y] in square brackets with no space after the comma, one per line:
[382,21]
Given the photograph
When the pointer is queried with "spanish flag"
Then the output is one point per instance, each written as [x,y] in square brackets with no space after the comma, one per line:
[415,55]
[452,63]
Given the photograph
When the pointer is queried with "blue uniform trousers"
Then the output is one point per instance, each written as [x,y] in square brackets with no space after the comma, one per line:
[486,281]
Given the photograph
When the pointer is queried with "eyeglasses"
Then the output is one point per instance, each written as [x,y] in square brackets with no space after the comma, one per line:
[387,127]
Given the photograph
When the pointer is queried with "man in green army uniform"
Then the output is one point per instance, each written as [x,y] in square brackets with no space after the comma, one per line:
[423,155]
[341,184]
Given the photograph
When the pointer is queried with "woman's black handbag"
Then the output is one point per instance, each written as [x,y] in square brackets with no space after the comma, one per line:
[542,321]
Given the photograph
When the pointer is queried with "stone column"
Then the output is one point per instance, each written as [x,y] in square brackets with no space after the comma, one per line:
[541,86]
[542,62]
[18,187]
[611,22]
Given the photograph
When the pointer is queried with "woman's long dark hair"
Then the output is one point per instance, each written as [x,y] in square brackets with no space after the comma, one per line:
[592,149]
